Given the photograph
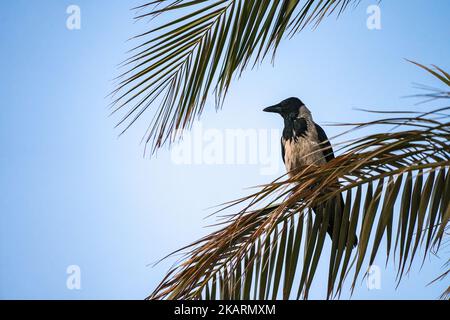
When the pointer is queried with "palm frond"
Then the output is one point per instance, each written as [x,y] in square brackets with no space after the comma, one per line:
[273,251]
[180,62]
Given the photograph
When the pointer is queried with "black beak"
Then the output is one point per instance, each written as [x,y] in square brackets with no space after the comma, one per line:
[276,109]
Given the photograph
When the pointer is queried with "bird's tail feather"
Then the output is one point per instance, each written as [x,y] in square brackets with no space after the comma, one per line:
[319,209]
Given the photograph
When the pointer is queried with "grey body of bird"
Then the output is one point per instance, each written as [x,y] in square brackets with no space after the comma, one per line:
[303,150]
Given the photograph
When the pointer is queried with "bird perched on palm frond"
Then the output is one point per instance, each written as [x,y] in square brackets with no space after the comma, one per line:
[303,142]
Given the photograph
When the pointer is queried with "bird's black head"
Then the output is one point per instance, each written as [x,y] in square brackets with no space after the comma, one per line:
[296,117]
[289,108]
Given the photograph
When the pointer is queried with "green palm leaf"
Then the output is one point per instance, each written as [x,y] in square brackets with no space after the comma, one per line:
[179,63]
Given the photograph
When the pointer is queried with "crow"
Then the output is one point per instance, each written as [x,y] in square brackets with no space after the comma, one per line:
[304,142]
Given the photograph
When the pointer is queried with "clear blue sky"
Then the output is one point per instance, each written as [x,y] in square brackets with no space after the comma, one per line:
[74,194]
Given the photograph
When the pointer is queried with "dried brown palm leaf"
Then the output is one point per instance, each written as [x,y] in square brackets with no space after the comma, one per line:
[257,252]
